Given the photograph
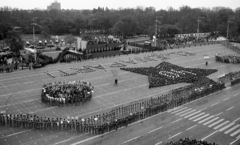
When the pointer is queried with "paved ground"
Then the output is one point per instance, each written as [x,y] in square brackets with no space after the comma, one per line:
[20,93]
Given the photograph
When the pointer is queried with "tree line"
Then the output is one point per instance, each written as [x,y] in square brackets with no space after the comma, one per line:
[125,22]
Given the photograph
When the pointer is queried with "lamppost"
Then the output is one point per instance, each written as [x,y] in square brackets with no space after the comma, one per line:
[2,39]
[156,30]
[198,20]
[228,27]
[33,24]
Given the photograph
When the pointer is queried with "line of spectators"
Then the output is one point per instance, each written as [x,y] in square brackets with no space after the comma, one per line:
[60,93]
[230,58]
[119,116]
[188,141]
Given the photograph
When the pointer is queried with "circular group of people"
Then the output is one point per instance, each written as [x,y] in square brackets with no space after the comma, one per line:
[60,93]
[231,58]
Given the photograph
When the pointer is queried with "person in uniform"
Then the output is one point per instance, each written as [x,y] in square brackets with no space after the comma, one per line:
[116,81]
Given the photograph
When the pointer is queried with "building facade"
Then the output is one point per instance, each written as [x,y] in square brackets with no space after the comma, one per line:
[54,6]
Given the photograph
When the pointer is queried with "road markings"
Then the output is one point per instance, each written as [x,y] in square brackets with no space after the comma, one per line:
[230,108]
[220,125]
[235,140]
[236,94]
[218,114]
[236,132]
[214,104]
[130,139]
[201,117]
[174,135]
[215,123]
[225,127]
[184,114]
[206,119]
[158,143]
[69,139]
[203,109]
[179,110]
[236,120]
[176,120]
[209,135]
[226,99]
[231,129]
[196,116]
[15,133]
[192,114]
[211,121]
[183,111]
[155,129]
[191,127]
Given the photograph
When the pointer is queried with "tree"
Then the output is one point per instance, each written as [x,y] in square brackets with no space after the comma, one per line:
[70,39]
[14,41]
[127,26]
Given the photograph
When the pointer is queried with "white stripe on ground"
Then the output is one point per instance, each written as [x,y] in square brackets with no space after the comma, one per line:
[209,135]
[191,127]
[174,135]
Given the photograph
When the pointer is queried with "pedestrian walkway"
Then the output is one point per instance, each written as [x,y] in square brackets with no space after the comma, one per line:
[217,123]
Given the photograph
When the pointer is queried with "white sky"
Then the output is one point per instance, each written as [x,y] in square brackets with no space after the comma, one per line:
[90,4]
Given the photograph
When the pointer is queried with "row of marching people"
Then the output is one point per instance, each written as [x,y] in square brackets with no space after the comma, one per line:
[231,58]
[61,93]
[109,121]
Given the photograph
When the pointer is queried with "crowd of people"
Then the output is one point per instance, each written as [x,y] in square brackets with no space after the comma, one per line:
[188,141]
[61,93]
[166,74]
[230,58]
[235,82]
[229,77]
[119,116]
[103,40]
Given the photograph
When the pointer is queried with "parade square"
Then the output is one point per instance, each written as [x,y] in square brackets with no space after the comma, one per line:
[20,91]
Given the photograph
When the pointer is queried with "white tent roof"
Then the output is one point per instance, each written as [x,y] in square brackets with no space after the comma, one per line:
[30,50]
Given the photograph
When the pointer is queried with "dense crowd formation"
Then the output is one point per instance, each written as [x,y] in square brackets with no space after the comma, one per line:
[60,93]
[188,141]
[166,74]
[231,58]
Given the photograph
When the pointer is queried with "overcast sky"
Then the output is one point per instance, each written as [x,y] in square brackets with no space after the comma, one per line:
[90,4]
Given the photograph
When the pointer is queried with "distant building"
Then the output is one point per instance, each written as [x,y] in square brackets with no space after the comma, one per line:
[54,6]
